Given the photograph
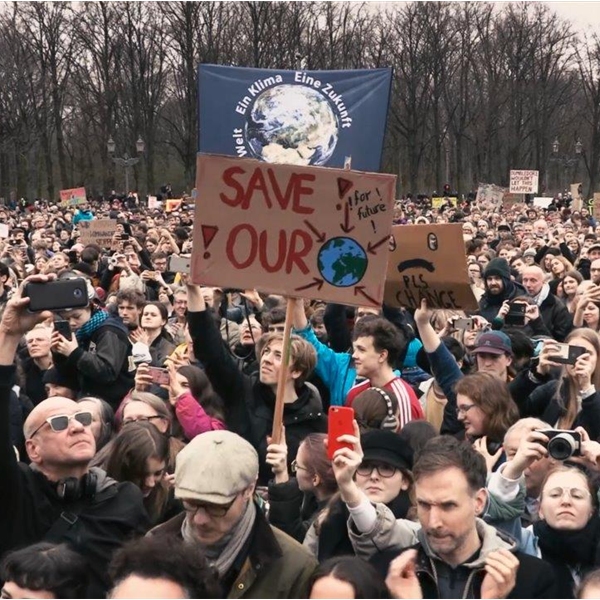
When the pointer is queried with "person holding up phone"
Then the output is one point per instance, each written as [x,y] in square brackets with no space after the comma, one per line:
[522,313]
[572,399]
[97,353]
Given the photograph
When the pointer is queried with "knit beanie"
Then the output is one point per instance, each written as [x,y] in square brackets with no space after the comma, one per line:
[498,267]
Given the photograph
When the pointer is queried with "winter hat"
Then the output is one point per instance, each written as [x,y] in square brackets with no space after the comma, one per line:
[498,267]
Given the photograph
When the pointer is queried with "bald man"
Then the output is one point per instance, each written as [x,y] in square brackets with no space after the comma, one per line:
[556,317]
[59,498]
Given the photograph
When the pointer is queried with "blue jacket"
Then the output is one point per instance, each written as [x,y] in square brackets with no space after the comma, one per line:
[335,368]
[83,215]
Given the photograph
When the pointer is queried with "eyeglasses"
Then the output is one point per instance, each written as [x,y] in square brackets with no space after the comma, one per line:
[140,419]
[61,422]
[385,471]
[296,467]
[573,493]
[464,409]
[212,510]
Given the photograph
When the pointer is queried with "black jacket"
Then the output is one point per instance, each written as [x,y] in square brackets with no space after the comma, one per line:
[536,397]
[30,508]
[249,404]
[535,578]
[102,364]
[489,305]
[557,317]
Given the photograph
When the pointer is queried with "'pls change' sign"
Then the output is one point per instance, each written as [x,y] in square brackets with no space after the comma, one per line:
[310,232]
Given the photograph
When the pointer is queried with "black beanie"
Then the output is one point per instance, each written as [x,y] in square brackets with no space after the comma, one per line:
[498,267]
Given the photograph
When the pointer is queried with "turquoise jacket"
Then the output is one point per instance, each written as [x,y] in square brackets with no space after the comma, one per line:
[335,368]
[85,215]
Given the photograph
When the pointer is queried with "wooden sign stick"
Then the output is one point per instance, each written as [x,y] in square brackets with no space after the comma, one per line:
[276,434]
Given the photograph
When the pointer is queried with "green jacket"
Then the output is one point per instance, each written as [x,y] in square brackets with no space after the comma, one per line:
[276,566]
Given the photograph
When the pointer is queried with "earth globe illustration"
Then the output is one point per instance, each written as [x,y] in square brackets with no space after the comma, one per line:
[342,261]
[292,124]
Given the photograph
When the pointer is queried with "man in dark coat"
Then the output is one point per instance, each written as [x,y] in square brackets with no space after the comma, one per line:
[498,288]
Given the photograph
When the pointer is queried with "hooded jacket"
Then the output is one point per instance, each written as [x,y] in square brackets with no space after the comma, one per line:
[389,537]
[490,304]
[249,404]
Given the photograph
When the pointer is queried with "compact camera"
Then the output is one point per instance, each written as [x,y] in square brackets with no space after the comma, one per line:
[562,443]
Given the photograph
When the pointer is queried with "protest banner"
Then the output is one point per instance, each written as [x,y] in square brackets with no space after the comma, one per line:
[298,231]
[73,196]
[295,117]
[576,191]
[439,201]
[542,202]
[596,204]
[3,230]
[509,200]
[153,202]
[490,194]
[524,182]
[98,231]
[172,204]
[428,262]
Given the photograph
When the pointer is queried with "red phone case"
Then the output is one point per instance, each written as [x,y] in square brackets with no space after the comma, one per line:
[339,423]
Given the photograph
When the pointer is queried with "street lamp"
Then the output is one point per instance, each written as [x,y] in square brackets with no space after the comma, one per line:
[567,161]
[126,161]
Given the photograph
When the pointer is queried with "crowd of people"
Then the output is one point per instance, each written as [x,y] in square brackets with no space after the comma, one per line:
[136,448]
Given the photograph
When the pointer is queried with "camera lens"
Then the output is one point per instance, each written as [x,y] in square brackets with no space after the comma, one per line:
[561,447]
[77,293]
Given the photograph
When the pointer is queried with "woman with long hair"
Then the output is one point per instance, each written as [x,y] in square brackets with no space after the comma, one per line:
[571,400]
[139,454]
[568,289]
[152,332]
[295,502]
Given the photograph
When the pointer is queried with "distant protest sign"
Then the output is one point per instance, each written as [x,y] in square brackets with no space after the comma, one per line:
[490,194]
[308,232]
[439,201]
[576,191]
[596,204]
[73,197]
[153,202]
[98,231]
[542,202]
[297,117]
[428,262]
[524,182]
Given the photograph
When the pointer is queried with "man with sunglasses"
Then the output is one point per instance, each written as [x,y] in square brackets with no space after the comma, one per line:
[58,498]
[215,479]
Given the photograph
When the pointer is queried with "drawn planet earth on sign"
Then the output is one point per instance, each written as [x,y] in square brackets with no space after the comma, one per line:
[292,124]
[342,261]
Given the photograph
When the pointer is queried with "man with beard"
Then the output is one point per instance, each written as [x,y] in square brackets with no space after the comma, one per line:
[454,553]
[498,288]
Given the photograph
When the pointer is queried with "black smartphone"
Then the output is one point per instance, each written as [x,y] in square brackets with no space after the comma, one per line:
[63,328]
[516,314]
[57,295]
[124,236]
[567,354]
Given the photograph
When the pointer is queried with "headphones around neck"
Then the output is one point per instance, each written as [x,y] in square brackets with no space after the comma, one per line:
[72,489]
[390,421]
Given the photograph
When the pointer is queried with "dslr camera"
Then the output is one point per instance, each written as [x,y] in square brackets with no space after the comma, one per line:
[562,443]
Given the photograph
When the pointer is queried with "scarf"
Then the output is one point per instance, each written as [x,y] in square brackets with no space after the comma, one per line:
[85,332]
[544,293]
[223,554]
[497,299]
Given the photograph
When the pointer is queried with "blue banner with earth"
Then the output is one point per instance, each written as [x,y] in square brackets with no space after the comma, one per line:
[294,117]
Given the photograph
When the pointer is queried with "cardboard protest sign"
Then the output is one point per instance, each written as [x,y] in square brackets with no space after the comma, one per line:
[490,194]
[299,231]
[73,196]
[596,204]
[543,202]
[153,202]
[576,191]
[98,231]
[172,204]
[428,262]
[524,182]
[3,230]
[294,117]
[509,200]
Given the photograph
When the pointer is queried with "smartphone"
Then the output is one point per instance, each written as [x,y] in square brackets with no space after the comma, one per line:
[567,354]
[57,295]
[159,375]
[339,422]
[516,314]
[63,328]
[180,264]
[462,323]
[124,236]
